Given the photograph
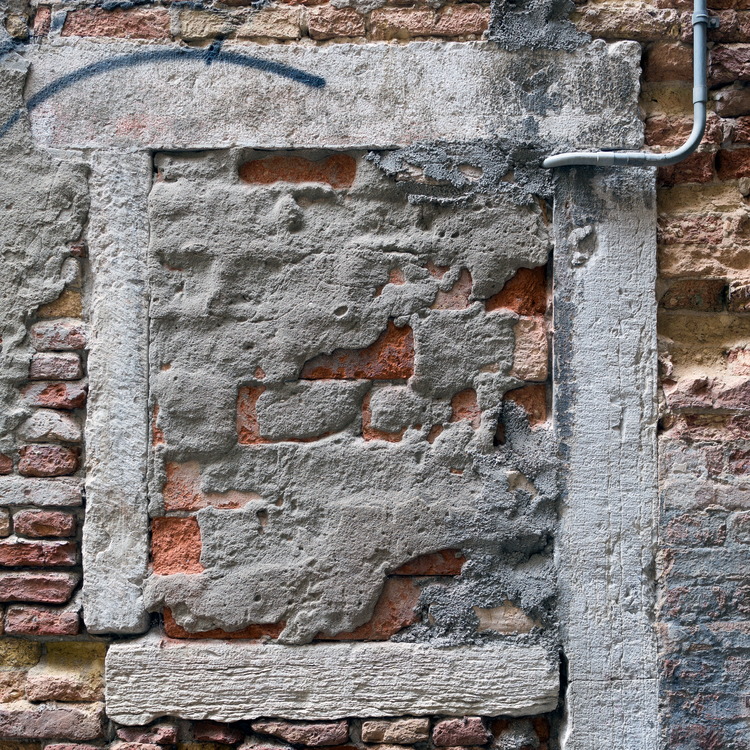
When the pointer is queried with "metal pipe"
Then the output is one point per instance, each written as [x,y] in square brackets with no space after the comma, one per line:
[701,22]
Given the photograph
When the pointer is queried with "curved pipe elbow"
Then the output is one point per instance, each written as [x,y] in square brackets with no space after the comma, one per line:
[701,22]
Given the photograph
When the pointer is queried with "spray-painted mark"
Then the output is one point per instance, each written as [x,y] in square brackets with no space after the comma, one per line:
[209,56]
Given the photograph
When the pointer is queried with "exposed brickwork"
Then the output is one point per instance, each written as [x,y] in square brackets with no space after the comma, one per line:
[131,23]
[338,170]
[175,545]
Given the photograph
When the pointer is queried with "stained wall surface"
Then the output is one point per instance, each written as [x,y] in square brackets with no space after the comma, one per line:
[315,349]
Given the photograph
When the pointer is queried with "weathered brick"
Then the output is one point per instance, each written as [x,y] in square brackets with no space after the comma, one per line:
[525,293]
[12,686]
[729,63]
[42,19]
[506,618]
[312,734]
[394,611]
[68,672]
[274,22]
[55,366]
[698,168]
[63,334]
[203,24]
[531,352]
[70,746]
[641,22]
[733,164]
[44,523]
[38,621]
[6,464]
[329,22]
[164,733]
[73,722]
[44,588]
[465,407]
[728,392]
[4,522]
[390,357]
[396,731]
[458,297]
[338,170]
[469,730]
[450,21]
[533,399]
[671,131]
[739,525]
[20,553]
[66,395]
[732,102]
[47,461]
[738,296]
[251,632]
[16,653]
[699,529]
[44,493]
[447,562]
[131,23]
[175,545]
[214,731]
[705,295]
[51,425]
[668,61]
[68,305]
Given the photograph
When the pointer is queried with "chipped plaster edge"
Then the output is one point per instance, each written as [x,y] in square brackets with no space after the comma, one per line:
[115,534]
[605,409]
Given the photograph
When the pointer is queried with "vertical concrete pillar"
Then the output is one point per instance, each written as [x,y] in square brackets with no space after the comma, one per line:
[605,407]
[115,539]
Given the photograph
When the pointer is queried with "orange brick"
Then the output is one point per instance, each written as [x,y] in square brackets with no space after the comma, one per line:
[391,357]
[465,406]
[698,167]
[338,170]
[248,430]
[533,398]
[447,562]
[175,545]
[525,293]
[131,23]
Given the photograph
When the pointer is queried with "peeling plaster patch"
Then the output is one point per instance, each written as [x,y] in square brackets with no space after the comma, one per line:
[45,203]
[283,280]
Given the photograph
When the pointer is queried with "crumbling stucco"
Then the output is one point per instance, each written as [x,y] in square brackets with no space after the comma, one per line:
[44,208]
[255,289]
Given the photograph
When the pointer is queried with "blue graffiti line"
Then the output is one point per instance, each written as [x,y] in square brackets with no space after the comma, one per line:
[209,56]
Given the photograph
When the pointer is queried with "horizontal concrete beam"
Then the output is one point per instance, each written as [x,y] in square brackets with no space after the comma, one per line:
[89,95]
[235,681]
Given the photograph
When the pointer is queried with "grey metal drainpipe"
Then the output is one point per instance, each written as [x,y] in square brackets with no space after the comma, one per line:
[701,22]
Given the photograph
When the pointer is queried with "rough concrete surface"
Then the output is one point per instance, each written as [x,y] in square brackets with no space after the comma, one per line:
[231,682]
[374,95]
[250,283]
[605,406]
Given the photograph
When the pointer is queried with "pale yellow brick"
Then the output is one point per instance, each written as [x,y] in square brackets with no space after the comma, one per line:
[71,671]
[15,653]
[203,24]
[68,305]
[274,22]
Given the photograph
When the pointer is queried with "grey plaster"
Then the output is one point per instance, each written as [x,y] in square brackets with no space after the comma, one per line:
[233,681]
[45,204]
[242,294]
[395,407]
[605,406]
[534,24]
[375,96]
